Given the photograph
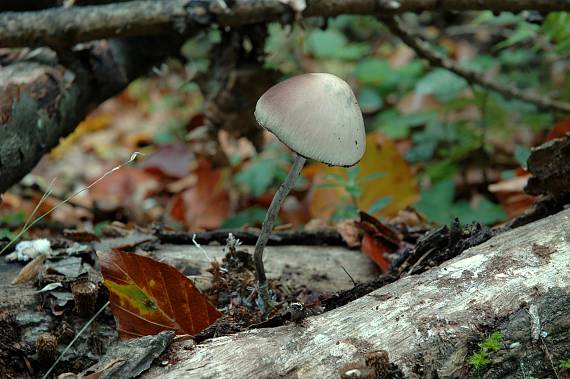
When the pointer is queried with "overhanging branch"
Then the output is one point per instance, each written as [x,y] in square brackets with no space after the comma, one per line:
[424,50]
[68,26]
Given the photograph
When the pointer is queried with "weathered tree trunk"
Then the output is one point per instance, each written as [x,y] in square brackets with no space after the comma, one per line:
[44,96]
[517,283]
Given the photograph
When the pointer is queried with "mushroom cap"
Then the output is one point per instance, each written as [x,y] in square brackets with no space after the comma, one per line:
[317,116]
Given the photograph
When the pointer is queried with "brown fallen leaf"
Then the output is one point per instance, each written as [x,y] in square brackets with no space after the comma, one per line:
[30,271]
[511,195]
[350,232]
[148,297]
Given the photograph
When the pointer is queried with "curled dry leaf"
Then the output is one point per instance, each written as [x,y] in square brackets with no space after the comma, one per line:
[350,232]
[379,240]
[148,297]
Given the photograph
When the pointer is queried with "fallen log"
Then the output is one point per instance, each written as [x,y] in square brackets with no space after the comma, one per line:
[428,325]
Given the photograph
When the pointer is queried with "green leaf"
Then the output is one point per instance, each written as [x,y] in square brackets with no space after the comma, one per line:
[331,43]
[379,204]
[250,216]
[374,176]
[369,100]
[524,32]
[398,126]
[373,71]
[556,29]
[441,170]
[259,175]
[441,83]
[436,201]
[486,212]
[521,155]
[6,234]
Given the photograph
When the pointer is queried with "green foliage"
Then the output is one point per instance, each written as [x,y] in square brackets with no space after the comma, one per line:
[493,342]
[369,100]
[437,205]
[250,216]
[399,126]
[6,234]
[482,358]
[332,44]
[521,155]
[556,28]
[265,169]
[353,186]
[441,83]
[565,363]
[479,360]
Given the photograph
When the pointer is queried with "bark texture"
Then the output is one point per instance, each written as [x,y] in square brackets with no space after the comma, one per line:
[44,96]
[71,25]
[427,325]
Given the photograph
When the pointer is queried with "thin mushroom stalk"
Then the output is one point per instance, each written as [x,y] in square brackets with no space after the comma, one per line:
[317,116]
[268,223]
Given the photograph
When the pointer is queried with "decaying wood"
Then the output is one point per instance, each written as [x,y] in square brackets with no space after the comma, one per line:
[548,164]
[150,17]
[318,267]
[44,96]
[427,324]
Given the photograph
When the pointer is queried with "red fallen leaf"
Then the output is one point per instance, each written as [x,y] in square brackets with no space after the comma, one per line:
[511,195]
[379,239]
[378,229]
[205,205]
[375,249]
[148,297]
[559,129]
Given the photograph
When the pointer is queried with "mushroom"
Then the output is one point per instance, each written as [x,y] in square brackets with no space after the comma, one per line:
[317,116]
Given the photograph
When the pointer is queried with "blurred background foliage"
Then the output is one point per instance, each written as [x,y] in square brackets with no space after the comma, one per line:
[436,143]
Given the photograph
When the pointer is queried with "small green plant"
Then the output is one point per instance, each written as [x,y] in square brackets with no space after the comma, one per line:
[482,358]
[353,184]
[565,363]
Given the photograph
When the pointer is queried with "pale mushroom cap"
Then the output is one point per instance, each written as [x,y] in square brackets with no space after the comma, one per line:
[317,116]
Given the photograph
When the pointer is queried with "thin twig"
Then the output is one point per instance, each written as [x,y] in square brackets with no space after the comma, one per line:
[29,225]
[350,276]
[46,375]
[424,50]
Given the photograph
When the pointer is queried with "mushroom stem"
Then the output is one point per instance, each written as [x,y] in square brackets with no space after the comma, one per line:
[267,227]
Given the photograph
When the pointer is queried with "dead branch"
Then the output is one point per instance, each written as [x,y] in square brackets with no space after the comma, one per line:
[427,325]
[68,26]
[424,50]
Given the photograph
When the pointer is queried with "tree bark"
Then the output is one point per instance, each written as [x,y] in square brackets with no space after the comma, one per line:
[68,26]
[44,96]
[428,325]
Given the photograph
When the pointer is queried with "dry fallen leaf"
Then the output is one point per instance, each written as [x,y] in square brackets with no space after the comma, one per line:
[511,195]
[148,297]
[398,182]
[379,240]
[205,205]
